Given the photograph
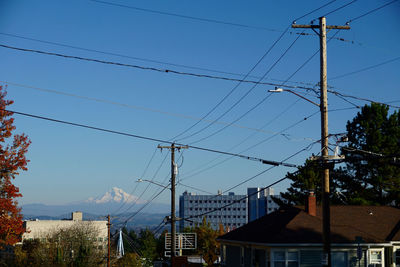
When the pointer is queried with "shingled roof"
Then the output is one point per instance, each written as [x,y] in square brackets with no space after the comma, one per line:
[375,224]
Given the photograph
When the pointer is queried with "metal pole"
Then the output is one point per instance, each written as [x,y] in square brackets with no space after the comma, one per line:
[108,238]
[173,230]
[326,228]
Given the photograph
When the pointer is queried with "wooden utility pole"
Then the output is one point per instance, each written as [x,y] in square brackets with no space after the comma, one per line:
[174,169]
[326,225]
[109,241]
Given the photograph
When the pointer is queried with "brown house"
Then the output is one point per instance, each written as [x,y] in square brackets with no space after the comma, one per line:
[360,236]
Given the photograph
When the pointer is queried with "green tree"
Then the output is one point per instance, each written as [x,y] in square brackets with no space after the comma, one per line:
[77,245]
[129,260]
[147,246]
[369,176]
[207,245]
[309,178]
[374,139]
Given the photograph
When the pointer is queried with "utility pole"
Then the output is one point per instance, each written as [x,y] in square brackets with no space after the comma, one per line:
[109,240]
[174,169]
[326,222]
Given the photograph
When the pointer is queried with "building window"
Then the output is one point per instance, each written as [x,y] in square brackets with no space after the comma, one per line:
[339,258]
[375,257]
[397,257]
[241,256]
[285,258]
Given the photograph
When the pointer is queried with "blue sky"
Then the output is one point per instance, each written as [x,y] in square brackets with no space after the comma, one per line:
[69,164]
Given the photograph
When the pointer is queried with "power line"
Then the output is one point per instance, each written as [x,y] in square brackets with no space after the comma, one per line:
[247,149]
[337,9]
[137,184]
[364,69]
[271,162]
[266,170]
[266,97]
[235,201]
[186,16]
[144,206]
[361,98]
[232,90]
[152,60]
[312,11]
[160,70]
[371,11]
[239,100]
[194,188]
[106,101]
[312,89]
[177,72]
[148,185]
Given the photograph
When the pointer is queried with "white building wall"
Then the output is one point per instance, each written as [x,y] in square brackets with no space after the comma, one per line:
[232,216]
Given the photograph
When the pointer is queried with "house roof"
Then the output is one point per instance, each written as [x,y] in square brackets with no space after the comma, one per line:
[374,224]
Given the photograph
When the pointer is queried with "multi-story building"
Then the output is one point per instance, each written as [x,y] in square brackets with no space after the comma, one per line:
[261,202]
[193,208]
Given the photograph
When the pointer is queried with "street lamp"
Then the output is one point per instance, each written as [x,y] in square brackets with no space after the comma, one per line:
[325,159]
[279,90]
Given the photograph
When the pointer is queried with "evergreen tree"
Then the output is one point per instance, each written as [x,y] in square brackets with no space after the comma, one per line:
[374,139]
[370,175]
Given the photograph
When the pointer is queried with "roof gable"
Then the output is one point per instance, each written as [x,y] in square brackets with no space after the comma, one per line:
[375,224]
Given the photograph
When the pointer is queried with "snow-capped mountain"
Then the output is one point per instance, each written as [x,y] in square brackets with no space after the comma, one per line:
[115,195]
[114,200]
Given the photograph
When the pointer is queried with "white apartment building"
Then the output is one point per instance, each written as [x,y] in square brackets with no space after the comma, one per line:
[193,208]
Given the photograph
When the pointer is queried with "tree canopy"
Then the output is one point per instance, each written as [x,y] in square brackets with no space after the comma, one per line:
[370,174]
[13,148]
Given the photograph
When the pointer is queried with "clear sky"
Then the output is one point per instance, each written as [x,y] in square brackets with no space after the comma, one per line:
[69,164]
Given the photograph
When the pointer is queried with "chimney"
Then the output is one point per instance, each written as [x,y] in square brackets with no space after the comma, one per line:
[311,204]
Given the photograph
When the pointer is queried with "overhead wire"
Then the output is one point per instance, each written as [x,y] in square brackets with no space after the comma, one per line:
[312,11]
[148,185]
[241,99]
[248,148]
[339,8]
[147,59]
[148,138]
[235,201]
[364,69]
[160,70]
[231,91]
[106,101]
[308,147]
[137,184]
[297,70]
[371,11]
[266,97]
[167,70]
[144,206]
[186,16]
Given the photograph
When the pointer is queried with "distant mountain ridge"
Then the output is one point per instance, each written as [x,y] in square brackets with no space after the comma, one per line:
[109,203]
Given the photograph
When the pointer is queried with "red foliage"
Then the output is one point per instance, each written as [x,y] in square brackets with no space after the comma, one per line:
[12,160]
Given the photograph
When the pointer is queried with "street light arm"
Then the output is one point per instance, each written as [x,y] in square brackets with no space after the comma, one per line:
[278,90]
[149,181]
[302,97]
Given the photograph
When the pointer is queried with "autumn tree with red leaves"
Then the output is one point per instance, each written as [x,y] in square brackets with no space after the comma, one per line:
[13,148]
